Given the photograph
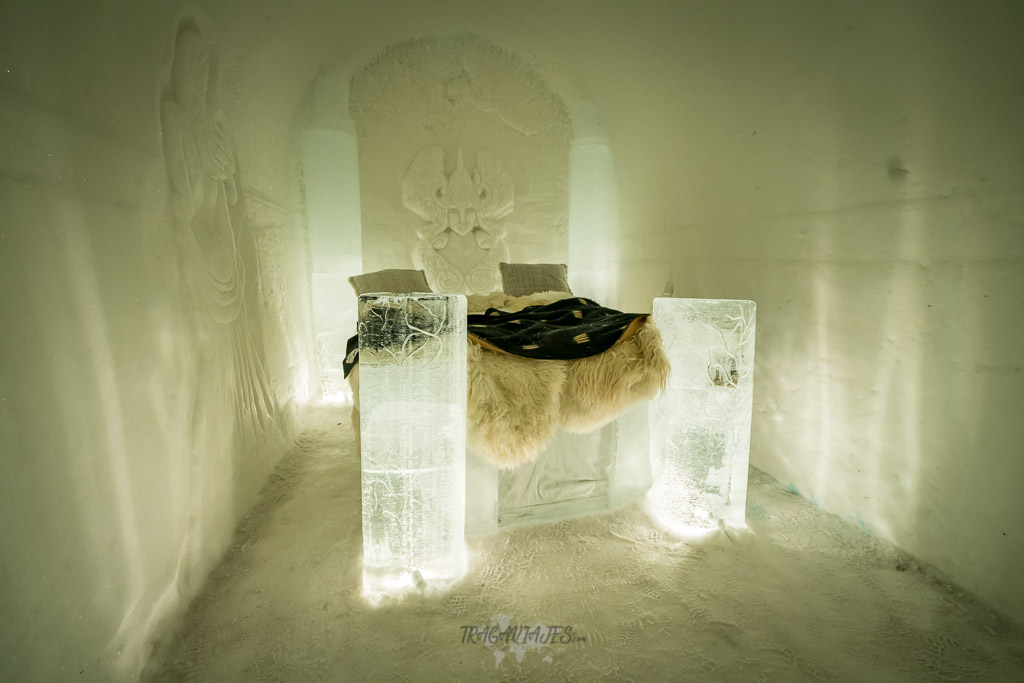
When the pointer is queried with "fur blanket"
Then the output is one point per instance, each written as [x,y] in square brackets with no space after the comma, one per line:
[514,404]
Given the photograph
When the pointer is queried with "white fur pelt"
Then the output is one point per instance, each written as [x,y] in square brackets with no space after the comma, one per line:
[514,404]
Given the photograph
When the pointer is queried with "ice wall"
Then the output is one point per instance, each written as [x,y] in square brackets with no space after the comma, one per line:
[154,346]
[856,169]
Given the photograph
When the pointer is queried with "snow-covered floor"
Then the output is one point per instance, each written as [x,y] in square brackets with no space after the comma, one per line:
[803,596]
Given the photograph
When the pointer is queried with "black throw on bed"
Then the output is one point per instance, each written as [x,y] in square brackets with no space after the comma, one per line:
[562,330]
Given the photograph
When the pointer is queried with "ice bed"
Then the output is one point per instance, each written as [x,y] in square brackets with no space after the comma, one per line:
[593,457]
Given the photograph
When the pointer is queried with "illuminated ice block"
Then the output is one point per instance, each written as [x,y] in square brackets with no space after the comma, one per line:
[700,425]
[412,420]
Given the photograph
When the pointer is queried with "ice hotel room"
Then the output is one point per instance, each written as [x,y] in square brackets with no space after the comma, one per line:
[534,340]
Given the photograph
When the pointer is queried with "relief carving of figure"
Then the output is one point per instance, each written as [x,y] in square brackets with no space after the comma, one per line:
[463,243]
[201,167]
[206,204]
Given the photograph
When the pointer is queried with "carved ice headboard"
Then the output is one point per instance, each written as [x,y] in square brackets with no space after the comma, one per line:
[463,162]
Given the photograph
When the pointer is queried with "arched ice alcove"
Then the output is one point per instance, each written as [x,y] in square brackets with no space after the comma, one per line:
[854,167]
[449,154]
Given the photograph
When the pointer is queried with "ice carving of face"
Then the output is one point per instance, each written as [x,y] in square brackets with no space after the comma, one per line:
[462,243]
[464,199]
[460,202]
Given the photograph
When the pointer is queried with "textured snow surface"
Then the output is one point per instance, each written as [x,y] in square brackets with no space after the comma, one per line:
[803,596]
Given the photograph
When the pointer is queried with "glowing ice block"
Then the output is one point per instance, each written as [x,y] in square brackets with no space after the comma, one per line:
[412,420]
[700,425]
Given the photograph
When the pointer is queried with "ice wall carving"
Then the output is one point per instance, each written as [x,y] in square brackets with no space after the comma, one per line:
[463,243]
[415,105]
[201,166]
[208,210]
[700,425]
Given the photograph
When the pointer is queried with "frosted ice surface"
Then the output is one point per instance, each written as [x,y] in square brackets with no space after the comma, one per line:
[700,426]
[412,392]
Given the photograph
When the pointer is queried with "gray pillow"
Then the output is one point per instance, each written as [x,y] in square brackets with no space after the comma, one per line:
[394,280]
[520,279]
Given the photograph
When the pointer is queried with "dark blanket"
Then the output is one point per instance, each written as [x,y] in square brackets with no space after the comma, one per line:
[562,330]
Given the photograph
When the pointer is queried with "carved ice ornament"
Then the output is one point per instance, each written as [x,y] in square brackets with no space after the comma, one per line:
[462,245]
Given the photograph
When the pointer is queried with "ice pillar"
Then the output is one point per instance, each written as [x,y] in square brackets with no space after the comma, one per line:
[700,426]
[591,183]
[412,398]
[330,161]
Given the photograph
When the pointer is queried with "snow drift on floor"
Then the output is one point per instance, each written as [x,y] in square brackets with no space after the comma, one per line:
[803,596]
